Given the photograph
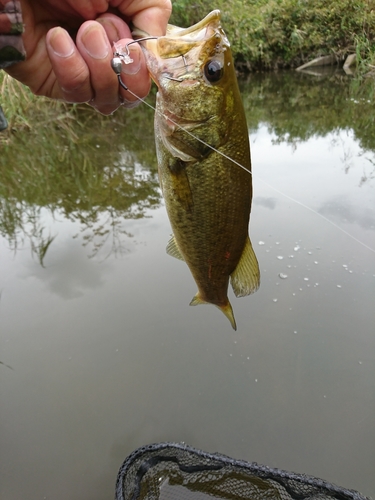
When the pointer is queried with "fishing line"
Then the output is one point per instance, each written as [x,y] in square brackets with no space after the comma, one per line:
[247,170]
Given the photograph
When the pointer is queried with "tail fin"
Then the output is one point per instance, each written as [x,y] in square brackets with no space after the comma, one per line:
[226,309]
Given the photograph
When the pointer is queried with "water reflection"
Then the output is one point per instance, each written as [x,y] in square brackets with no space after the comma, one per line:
[85,174]
[107,355]
[99,172]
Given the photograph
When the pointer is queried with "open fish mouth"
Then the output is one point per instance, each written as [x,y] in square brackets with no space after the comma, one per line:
[195,33]
[178,56]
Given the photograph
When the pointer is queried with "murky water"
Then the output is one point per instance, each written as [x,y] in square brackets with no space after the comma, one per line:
[100,351]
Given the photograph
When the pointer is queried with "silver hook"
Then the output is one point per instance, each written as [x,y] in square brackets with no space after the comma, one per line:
[124,57]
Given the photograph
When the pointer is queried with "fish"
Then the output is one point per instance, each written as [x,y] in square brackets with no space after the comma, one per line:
[203,154]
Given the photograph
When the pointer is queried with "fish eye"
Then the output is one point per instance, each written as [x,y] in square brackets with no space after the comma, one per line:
[213,71]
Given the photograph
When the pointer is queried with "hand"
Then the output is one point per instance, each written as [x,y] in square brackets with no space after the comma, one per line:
[69,49]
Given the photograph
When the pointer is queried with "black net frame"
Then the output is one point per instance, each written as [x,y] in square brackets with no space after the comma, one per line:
[202,475]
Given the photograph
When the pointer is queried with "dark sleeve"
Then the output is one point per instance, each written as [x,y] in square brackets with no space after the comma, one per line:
[11,29]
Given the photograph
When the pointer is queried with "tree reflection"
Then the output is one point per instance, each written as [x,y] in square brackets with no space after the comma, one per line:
[90,169]
[99,171]
[297,106]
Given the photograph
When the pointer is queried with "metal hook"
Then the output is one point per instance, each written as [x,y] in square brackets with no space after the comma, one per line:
[116,64]
[124,57]
[140,40]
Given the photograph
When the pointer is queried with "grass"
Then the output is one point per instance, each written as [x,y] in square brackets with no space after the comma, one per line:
[274,34]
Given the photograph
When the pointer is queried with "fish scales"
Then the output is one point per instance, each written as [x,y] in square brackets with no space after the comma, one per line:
[199,124]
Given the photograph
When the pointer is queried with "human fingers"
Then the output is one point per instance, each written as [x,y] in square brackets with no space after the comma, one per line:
[150,16]
[71,73]
[134,75]
[114,26]
[95,48]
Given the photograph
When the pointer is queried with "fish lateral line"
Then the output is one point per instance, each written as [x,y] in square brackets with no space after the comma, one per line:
[306,207]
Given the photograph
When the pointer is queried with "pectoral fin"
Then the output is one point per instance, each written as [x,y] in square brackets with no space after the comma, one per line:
[245,279]
[180,184]
[226,309]
[173,250]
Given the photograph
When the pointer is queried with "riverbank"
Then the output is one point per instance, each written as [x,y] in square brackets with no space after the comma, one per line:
[276,34]
[264,35]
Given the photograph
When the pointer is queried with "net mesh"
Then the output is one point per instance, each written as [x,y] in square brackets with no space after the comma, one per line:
[174,471]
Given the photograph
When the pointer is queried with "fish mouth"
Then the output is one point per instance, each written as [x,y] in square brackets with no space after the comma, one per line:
[213,18]
[176,54]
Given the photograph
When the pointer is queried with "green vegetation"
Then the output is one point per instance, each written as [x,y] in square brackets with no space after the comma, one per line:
[270,34]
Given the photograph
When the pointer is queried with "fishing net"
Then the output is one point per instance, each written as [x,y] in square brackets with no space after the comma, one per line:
[172,471]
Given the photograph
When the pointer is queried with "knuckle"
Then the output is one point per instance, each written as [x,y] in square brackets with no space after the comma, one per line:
[76,83]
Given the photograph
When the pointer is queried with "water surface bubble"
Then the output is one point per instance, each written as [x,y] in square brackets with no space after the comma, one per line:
[274,300]
[283,276]
[296,248]
[261,243]
[280,257]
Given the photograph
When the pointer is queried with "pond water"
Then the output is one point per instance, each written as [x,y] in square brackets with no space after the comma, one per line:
[100,351]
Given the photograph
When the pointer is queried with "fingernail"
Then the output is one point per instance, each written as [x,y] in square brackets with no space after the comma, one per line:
[61,43]
[95,43]
[110,29]
[133,67]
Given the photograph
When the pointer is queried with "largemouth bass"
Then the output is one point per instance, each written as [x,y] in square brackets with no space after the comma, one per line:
[200,126]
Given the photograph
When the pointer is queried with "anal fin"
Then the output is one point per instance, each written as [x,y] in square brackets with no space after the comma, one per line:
[245,279]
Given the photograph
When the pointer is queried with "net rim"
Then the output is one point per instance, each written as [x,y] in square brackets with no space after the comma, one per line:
[263,471]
